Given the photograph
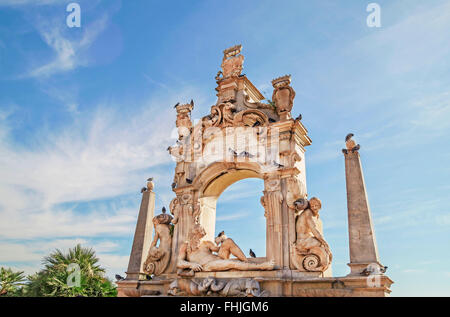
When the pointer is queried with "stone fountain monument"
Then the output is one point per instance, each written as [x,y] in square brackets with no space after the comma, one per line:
[178,254]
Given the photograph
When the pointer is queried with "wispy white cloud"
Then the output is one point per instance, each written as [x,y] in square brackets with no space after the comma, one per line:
[101,155]
[69,53]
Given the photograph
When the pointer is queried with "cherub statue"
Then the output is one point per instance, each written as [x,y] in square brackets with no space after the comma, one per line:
[158,257]
[310,251]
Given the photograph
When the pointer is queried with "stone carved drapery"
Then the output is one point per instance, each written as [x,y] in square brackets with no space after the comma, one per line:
[159,256]
[243,287]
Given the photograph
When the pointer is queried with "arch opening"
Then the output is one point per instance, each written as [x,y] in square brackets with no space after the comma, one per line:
[218,185]
[240,214]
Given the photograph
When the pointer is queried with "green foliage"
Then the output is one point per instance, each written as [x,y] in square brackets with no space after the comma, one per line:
[11,282]
[272,104]
[53,279]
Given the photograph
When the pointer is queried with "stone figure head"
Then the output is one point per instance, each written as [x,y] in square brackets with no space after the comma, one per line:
[162,219]
[252,288]
[220,238]
[197,232]
[315,204]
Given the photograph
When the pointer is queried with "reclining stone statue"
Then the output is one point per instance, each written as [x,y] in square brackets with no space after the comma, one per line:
[195,255]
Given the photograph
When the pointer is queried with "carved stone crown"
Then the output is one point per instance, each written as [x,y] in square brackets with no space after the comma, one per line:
[184,108]
[281,81]
[232,51]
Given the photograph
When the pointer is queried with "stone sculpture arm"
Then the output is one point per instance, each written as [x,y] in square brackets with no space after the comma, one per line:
[155,240]
[211,246]
[183,263]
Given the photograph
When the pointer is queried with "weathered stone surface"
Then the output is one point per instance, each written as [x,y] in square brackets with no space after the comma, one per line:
[362,242]
[142,236]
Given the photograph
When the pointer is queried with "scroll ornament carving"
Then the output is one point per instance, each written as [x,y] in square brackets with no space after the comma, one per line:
[243,287]
[159,256]
[224,115]
[250,118]
[310,251]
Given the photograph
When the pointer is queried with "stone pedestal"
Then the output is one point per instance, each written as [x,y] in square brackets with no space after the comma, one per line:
[279,283]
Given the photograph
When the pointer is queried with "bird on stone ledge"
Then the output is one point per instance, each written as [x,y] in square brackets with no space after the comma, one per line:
[350,144]
[252,254]
[278,164]
[119,278]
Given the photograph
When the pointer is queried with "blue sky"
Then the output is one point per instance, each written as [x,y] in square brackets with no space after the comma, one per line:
[86,115]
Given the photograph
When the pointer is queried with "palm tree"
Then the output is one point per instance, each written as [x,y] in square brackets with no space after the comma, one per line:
[10,282]
[59,268]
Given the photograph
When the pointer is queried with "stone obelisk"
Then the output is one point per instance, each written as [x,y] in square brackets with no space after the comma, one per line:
[363,246]
[142,235]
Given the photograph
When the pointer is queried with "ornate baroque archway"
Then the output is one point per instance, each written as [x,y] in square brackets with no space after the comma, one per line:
[243,137]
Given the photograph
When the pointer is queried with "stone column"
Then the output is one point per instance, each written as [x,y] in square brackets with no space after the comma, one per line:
[273,199]
[363,246]
[142,236]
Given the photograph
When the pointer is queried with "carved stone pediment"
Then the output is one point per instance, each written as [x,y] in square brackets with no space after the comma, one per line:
[232,62]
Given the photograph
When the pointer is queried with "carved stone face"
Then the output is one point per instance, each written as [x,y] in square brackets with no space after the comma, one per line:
[314,205]
[252,288]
